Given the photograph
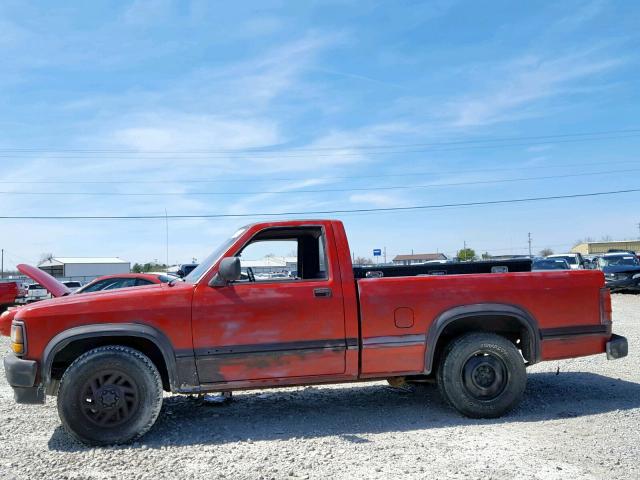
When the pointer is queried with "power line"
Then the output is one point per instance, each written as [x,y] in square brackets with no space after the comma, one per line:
[326,190]
[291,179]
[340,153]
[279,148]
[314,212]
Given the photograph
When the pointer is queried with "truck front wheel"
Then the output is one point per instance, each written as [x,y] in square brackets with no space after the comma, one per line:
[482,375]
[110,395]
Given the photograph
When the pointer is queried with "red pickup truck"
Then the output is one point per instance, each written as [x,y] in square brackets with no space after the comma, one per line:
[472,327]
[9,291]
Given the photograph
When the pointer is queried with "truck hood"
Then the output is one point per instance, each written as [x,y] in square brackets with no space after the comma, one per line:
[54,287]
[137,294]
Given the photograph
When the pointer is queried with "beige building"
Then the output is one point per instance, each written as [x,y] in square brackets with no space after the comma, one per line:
[590,248]
[418,258]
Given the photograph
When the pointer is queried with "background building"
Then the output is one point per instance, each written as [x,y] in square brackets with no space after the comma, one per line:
[418,258]
[272,264]
[603,247]
[84,268]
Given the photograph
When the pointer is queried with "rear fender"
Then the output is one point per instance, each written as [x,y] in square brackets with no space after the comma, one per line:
[449,317]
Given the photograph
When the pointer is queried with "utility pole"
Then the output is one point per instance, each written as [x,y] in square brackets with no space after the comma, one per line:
[464,250]
[385,254]
[166,218]
[2,265]
[638,227]
[530,256]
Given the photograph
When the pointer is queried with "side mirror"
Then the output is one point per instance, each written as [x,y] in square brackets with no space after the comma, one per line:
[228,272]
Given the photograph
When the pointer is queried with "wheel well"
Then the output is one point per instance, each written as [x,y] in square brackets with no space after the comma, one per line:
[75,348]
[508,326]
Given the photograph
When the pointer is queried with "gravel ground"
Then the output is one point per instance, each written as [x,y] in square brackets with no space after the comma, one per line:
[580,419]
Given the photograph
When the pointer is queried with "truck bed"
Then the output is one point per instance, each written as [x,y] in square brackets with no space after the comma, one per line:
[397,312]
[485,266]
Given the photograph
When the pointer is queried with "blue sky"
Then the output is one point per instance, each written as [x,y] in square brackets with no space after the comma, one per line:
[285,96]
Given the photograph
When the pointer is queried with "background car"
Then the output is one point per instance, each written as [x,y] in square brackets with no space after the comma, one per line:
[9,292]
[575,260]
[36,292]
[125,280]
[550,264]
[183,269]
[621,271]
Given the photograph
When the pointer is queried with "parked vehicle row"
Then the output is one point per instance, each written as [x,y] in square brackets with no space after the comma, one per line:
[621,268]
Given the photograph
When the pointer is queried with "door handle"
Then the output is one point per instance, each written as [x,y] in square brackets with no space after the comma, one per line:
[321,292]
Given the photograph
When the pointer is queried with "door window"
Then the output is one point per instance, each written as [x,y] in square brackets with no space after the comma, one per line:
[284,254]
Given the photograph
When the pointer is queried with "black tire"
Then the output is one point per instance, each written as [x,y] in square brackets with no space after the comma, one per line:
[109,395]
[482,375]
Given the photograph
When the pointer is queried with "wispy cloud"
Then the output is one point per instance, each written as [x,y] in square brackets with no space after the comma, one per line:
[145,12]
[183,132]
[578,17]
[514,88]
[257,202]
[375,200]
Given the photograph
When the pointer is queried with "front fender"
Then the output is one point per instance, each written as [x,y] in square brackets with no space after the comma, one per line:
[64,338]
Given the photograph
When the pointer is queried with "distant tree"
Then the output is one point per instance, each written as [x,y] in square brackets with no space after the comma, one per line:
[584,240]
[148,267]
[606,238]
[362,261]
[45,257]
[466,254]
[486,256]
[545,252]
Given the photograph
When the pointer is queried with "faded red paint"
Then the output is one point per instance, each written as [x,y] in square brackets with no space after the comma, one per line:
[359,322]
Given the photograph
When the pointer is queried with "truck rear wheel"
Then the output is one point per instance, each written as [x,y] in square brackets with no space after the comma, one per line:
[482,375]
[110,395]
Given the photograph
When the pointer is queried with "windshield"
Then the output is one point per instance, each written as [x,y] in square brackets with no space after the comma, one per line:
[570,259]
[619,260]
[213,257]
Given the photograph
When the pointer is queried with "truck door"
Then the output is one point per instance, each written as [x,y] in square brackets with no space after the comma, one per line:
[284,318]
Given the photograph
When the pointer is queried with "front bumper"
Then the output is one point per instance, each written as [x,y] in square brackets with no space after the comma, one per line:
[623,284]
[21,375]
[617,347]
